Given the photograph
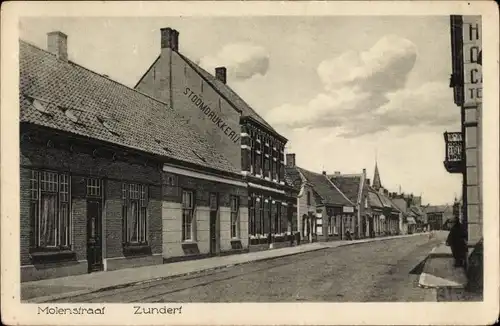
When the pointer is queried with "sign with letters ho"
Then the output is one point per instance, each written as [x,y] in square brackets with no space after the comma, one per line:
[472,60]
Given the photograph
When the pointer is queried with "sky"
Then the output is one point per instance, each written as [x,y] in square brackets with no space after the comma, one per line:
[346,91]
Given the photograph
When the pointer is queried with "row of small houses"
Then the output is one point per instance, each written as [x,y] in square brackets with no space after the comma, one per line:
[178,167]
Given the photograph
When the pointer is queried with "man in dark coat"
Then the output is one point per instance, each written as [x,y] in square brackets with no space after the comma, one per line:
[458,242]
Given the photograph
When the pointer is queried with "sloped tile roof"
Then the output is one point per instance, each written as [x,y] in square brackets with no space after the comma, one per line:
[395,207]
[436,208]
[229,94]
[373,199]
[385,200]
[325,189]
[348,184]
[292,177]
[400,204]
[106,110]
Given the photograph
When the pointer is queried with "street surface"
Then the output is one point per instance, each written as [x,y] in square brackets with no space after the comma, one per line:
[378,271]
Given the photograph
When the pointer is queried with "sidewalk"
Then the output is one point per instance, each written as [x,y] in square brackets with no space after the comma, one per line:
[64,287]
[439,270]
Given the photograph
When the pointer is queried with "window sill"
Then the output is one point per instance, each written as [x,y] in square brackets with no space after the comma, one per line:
[136,250]
[51,255]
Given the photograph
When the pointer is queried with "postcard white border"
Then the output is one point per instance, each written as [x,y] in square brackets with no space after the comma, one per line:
[13,312]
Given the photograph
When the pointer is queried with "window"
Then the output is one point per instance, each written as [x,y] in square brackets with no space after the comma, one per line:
[93,187]
[187,215]
[278,221]
[235,211]
[50,210]
[308,198]
[267,171]
[260,216]
[273,169]
[251,217]
[134,213]
[258,160]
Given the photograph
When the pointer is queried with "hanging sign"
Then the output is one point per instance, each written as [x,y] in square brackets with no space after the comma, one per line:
[453,157]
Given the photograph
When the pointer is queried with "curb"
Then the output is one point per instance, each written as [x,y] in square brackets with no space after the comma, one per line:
[430,281]
[48,298]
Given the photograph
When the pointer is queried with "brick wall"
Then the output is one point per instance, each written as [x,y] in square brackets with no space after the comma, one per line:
[80,162]
[187,85]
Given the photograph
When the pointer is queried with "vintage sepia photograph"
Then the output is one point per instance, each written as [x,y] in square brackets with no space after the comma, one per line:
[170,159]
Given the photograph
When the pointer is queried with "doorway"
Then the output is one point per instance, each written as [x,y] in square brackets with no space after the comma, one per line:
[94,235]
[214,210]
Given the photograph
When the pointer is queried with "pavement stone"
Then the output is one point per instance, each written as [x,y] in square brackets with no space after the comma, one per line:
[58,288]
[439,270]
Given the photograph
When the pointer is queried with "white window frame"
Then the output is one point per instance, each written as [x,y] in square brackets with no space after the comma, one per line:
[188,206]
[235,216]
[134,193]
[59,186]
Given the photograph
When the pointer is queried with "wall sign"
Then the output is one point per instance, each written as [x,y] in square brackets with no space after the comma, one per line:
[348,209]
[472,57]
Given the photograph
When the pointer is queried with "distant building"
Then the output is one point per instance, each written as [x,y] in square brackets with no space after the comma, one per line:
[324,212]
[438,216]
[384,215]
[355,187]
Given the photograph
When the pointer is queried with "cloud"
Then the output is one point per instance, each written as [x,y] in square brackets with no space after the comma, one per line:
[242,60]
[365,93]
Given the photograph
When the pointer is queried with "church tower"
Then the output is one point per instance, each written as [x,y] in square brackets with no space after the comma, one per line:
[376,179]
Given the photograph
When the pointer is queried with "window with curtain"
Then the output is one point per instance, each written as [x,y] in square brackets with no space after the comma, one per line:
[134,213]
[50,210]
[235,211]
[187,215]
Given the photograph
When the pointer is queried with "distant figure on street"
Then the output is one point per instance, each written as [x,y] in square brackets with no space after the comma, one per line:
[348,235]
[458,243]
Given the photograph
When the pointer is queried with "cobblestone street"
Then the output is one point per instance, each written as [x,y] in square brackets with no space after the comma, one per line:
[380,271]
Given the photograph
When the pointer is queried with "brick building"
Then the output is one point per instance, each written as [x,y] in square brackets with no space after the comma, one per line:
[324,212]
[355,187]
[384,215]
[235,129]
[112,178]
[437,215]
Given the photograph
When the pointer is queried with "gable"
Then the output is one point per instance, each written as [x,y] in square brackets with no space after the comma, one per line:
[174,81]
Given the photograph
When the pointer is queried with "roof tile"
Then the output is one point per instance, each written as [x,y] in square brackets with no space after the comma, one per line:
[106,110]
[326,189]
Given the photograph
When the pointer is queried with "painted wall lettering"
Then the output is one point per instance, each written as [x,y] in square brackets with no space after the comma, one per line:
[211,115]
[473,74]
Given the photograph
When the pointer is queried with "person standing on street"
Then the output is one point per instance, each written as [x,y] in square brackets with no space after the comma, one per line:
[458,243]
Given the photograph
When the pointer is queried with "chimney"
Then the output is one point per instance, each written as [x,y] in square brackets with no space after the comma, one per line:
[57,43]
[220,74]
[364,173]
[367,181]
[337,172]
[290,160]
[169,39]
